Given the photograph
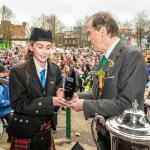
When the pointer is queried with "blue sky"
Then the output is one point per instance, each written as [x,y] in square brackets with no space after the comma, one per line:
[68,11]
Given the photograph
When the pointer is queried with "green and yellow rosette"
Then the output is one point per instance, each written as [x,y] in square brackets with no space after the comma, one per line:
[101,75]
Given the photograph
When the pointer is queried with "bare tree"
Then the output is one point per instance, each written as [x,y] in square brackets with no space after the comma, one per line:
[6,15]
[126,29]
[148,27]
[140,24]
[40,21]
[53,24]
[147,33]
[81,32]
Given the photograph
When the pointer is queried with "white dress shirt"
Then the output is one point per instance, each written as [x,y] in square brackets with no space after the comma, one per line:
[107,54]
[39,68]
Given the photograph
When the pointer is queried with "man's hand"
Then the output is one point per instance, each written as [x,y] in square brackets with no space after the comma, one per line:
[75,96]
[58,101]
[60,92]
[147,102]
[76,104]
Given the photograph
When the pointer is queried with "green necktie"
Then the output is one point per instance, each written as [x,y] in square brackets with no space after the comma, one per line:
[103,61]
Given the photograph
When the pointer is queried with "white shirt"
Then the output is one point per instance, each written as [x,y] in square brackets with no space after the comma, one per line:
[39,68]
[107,54]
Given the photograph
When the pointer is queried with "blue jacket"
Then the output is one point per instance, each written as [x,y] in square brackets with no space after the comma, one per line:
[4,100]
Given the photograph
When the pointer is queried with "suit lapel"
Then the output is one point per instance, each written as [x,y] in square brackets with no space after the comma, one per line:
[50,80]
[113,54]
[35,78]
[111,57]
[95,81]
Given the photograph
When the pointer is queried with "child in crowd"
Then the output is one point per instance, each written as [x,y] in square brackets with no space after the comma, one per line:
[5,109]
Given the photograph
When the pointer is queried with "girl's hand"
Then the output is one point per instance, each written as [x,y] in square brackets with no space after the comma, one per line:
[60,92]
[58,101]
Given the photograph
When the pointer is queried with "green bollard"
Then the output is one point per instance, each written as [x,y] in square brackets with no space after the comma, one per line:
[68,123]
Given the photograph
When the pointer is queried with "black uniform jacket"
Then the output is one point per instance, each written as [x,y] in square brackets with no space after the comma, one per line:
[29,98]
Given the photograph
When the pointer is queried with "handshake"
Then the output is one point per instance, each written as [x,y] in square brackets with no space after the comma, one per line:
[75,102]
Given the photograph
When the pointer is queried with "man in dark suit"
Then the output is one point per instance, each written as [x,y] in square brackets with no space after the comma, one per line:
[119,79]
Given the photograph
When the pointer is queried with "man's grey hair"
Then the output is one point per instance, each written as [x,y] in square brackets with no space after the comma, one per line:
[104,19]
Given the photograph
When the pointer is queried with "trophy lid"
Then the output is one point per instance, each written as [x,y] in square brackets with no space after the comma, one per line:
[132,124]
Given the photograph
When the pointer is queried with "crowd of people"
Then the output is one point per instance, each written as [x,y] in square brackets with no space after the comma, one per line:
[82,60]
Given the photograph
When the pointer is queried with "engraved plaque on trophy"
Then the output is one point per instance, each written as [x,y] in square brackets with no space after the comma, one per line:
[70,84]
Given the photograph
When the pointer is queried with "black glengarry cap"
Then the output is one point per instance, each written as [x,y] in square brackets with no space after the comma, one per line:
[38,34]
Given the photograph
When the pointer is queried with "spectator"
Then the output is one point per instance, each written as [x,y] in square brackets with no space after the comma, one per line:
[5,109]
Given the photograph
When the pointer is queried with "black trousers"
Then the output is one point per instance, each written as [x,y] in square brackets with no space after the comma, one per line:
[104,138]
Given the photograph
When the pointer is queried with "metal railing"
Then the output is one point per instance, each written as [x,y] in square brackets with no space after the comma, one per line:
[68,122]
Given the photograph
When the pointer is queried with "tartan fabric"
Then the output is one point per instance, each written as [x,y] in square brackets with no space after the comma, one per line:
[45,126]
[20,144]
[24,144]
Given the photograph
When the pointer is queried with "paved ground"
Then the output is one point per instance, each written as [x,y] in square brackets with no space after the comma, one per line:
[78,124]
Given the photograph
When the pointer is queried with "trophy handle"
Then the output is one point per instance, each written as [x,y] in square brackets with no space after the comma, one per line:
[97,119]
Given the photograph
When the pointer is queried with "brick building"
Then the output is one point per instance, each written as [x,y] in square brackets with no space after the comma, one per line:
[17,33]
